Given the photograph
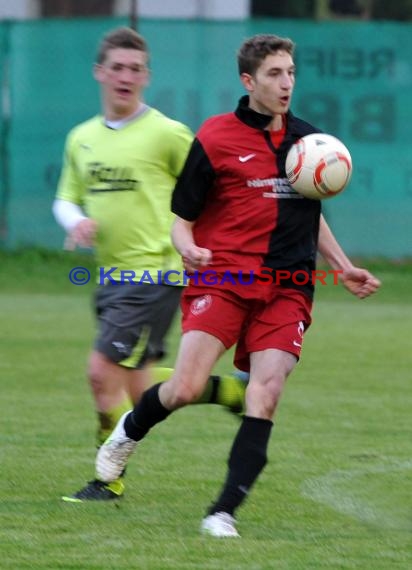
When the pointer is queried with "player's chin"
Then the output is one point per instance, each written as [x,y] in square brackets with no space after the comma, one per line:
[123,102]
[284,105]
[123,99]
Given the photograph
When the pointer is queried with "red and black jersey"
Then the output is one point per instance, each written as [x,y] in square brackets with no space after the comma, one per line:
[235,187]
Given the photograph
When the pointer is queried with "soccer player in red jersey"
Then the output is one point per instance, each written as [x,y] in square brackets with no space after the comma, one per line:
[237,214]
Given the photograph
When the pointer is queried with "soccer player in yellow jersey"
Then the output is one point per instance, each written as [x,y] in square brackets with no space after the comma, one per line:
[114,195]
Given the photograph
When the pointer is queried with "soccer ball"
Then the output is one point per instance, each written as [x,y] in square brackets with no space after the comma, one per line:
[318,166]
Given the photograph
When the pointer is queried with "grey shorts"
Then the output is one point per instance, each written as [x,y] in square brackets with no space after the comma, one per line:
[134,320]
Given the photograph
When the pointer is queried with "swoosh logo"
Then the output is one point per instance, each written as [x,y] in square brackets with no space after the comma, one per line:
[247,157]
[297,344]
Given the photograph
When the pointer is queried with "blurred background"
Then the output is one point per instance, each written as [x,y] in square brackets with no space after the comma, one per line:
[354,80]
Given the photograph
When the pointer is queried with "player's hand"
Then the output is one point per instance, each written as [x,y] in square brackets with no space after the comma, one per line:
[83,235]
[360,282]
[195,257]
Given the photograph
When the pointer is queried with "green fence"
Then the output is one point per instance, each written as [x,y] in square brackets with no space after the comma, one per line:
[354,80]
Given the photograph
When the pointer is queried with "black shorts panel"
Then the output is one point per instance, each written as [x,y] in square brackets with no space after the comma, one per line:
[134,320]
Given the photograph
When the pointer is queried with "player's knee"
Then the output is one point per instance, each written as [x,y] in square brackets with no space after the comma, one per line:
[262,397]
[274,387]
[100,372]
[182,394]
[96,375]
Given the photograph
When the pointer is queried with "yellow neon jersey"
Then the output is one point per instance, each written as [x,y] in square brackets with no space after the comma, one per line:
[124,179]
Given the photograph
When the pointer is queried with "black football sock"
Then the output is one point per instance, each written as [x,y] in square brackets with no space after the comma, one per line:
[247,459]
[148,412]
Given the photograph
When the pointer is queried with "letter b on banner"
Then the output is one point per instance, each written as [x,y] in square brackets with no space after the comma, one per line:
[370,118]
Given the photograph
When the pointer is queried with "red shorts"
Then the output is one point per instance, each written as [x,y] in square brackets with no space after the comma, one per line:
[256,317]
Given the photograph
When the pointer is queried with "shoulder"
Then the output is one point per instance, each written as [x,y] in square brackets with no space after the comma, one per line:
[167,125]
[217,122]
[91,126]
[217,127]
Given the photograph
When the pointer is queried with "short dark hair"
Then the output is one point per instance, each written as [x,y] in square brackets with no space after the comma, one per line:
[122,37]
[254,50]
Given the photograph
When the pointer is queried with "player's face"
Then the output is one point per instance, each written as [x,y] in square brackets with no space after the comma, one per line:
[123,75]
[270,88]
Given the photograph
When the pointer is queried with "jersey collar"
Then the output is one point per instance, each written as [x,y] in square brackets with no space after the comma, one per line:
[252,118]
[120,123]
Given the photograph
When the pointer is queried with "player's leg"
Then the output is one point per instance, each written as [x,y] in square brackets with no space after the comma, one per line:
[207,333]
[269,369]
[248,456]
[227,390]
[197,355]
[123,314]
[109,385]
[115,382]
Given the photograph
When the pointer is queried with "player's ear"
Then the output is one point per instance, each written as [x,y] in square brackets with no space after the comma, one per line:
[98,72]
[247,81]
[148,76]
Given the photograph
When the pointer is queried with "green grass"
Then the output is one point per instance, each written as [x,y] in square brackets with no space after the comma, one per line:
[335,495]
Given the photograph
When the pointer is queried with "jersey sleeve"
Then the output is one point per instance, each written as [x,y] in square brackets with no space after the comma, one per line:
[180,145]
[193,184]
[70,186]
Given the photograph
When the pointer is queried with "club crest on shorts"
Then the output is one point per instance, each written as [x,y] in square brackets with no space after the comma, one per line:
[200,304]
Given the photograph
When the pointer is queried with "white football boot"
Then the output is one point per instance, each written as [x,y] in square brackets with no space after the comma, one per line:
[113,454]
[220,525]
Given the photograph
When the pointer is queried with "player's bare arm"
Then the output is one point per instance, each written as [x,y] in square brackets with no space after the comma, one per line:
[193,256]
[358,281]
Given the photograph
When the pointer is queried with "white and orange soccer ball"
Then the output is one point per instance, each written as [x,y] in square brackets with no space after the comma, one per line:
[319,166]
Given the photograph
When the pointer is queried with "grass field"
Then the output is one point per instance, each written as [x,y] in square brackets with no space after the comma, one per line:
[336,493]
